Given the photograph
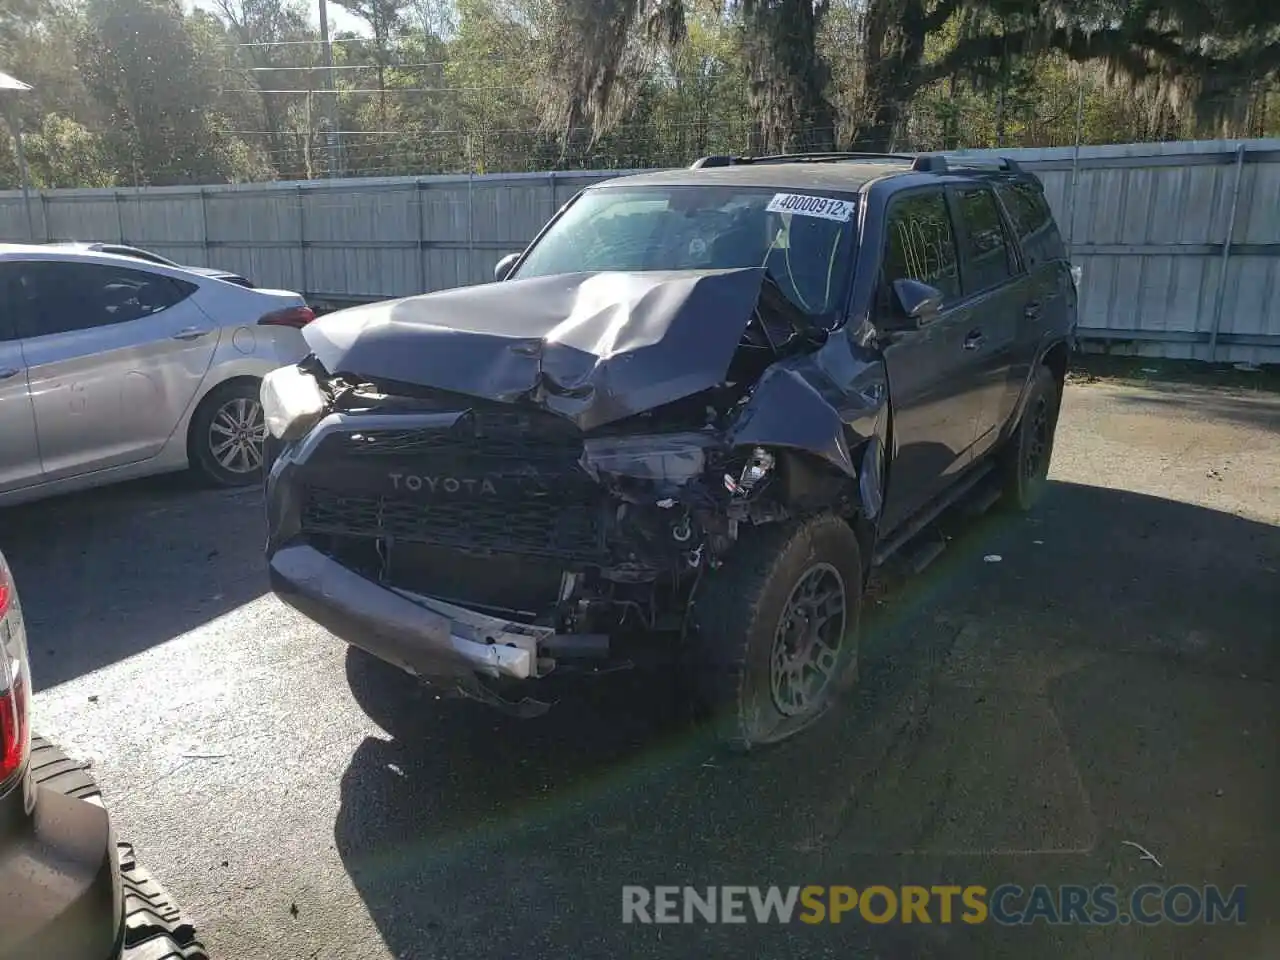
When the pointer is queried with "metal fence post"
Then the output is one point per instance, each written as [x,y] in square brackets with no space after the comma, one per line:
[471,243]
[305,282]
[420,207]
[204,226]
[115,195]
[1075,170]
[1221,295]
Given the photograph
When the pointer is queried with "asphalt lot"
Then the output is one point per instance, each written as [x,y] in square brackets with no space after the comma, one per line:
[1112,678]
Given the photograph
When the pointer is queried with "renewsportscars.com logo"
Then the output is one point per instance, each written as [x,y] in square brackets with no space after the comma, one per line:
[1007,904]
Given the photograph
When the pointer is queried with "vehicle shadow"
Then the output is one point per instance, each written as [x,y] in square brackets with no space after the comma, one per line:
[108,573]
[991,740]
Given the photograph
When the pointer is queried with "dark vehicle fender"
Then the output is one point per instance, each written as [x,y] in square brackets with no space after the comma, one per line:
[1056,355]
[799,406]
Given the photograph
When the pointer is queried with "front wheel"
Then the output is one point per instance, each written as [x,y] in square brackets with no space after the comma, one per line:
[227,434]
[777,629]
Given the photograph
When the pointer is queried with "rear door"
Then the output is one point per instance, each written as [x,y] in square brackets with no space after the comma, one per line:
[997,291]
[19,454]
[114,356]
[933,382]
[1052,292]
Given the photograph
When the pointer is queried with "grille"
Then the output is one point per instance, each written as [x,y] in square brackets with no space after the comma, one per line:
[553,511]
[531,528]
[481,435]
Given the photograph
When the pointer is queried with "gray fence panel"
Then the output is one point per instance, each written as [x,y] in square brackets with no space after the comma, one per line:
[1147,222]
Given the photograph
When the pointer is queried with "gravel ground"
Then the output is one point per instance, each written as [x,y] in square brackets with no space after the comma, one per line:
[1112,678]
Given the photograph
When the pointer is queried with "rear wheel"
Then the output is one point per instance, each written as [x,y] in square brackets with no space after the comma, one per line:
[227,434]
[1026,457]
[777,629]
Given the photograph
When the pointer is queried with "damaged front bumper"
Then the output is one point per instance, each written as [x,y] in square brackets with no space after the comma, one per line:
[426,637]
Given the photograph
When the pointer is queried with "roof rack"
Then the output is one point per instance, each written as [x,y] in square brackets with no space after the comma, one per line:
[939,163]
[920,162]
[829,157]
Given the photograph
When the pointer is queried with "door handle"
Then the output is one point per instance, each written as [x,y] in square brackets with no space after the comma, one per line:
[190,333]
[974,340]
[1032,310]
[8,372]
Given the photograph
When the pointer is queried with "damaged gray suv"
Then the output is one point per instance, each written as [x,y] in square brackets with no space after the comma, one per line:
[682,426]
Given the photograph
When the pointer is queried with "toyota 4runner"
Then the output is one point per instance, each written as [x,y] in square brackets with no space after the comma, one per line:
[683,424]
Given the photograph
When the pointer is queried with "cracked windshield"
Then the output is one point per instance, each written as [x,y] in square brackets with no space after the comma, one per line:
[639,478]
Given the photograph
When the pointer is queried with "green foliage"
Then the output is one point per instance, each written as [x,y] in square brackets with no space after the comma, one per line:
[147,92]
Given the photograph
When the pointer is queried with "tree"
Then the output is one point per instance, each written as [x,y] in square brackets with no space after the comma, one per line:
[274,48]
[141,64]
[1201,54]
[787,79]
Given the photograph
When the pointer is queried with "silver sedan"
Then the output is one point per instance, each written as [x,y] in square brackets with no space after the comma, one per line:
[111,368]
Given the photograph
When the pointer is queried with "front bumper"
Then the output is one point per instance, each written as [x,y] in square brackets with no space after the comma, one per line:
[426,637]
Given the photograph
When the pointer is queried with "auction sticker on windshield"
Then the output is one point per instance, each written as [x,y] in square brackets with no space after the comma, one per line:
[826,207]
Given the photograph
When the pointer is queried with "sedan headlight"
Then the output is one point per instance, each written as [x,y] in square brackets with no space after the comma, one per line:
[292,402]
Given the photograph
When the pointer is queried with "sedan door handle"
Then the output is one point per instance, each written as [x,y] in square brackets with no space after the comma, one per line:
[974,340]
[190,333]
[1032,310]
[8,372]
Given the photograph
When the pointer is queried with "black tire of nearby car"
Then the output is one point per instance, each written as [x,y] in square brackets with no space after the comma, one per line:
[739,613]
[1026,457]
[153,927]
[199,443]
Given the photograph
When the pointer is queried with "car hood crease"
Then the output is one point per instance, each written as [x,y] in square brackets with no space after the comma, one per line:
[591,347]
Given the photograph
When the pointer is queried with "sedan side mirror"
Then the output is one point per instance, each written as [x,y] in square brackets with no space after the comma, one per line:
[917,303]
[503,266]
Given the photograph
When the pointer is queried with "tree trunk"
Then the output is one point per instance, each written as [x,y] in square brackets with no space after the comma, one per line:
[894,51]
[788,78]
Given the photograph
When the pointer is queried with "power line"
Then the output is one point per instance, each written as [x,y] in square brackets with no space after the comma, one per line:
[292,43]
[347,90]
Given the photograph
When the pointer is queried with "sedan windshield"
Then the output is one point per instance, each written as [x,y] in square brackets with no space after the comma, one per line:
[804,241]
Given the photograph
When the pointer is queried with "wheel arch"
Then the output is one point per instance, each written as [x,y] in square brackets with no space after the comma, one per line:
[208,391]
[1055,355]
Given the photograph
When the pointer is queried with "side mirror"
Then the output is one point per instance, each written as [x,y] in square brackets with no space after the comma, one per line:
[503,266]
[918,303]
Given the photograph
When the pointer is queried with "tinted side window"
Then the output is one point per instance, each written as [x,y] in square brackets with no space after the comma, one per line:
[984,247]
[921,245]
[77,296]
[12,304]
[1027,206]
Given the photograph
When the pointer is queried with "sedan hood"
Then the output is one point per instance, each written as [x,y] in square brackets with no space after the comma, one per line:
[591,347]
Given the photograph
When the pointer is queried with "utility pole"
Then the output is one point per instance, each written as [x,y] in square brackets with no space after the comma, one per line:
[10,84]
[333,136]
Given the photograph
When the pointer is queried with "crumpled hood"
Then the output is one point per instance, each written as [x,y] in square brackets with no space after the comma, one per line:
[592,347]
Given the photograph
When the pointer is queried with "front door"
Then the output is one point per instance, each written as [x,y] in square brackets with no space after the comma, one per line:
[933,371]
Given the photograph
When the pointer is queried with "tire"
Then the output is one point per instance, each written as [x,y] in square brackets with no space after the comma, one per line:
[749,664]
[1026,457]
[153,927]
[225,440]
[53,769]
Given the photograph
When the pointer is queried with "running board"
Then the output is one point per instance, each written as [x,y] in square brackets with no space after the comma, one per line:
[930,514]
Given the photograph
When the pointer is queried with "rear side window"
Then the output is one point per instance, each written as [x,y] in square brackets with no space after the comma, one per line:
[1027,207]
[921,245]
[984,246]
[58,297]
